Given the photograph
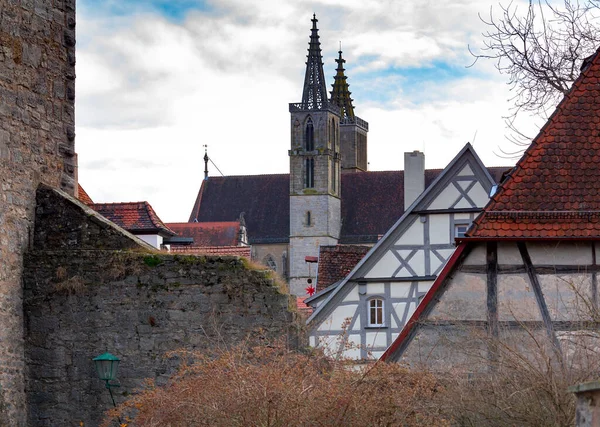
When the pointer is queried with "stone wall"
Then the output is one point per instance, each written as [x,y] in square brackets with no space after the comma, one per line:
[83,300]
[37,132]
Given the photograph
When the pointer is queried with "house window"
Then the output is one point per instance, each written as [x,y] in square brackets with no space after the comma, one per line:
[376,312]
[309,181]
[460,230]
[309,136]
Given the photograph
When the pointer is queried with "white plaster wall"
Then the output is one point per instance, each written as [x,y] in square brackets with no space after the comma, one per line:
[479,195]
[153,239]
[439,226]
[376,339]
[338,316]
[446,198]
[476,256]
[413,235]
[384,267]
[464,299]
[516,299]
[568,296]
[459,215]
[466,171]
[375,289]
[400,290]
[352,294]
[563,253]
[508,254]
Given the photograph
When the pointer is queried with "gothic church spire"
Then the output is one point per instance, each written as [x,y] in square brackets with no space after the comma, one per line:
[314,95]
[340,94]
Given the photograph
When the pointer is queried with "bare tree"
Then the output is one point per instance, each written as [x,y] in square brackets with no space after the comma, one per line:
[541,48]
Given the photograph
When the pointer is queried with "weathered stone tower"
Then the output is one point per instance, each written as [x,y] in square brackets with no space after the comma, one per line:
[315,205]
[353,129]
[37,133]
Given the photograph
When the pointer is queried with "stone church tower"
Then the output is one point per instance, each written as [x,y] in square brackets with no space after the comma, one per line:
[326,138]
[315,205]
[353,130]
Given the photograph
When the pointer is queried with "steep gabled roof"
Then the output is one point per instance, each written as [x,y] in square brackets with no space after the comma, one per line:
[135,217]
[459,161]
[264,200]
[208,233]
[371,203]
[552,193]
[554,190]
[335,262]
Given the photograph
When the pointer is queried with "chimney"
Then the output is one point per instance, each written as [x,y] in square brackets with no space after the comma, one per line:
[414,177]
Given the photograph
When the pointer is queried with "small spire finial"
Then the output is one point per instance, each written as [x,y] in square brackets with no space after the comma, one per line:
[340,95]
[314,94]
[205,161]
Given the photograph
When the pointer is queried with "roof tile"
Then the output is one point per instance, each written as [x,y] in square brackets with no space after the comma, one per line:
[554,187]
[135,217]
[208,233]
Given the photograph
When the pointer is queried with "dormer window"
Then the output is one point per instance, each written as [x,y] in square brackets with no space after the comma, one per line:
[309,136]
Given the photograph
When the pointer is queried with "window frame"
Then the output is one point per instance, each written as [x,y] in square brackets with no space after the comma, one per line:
[370,307]
[457,233]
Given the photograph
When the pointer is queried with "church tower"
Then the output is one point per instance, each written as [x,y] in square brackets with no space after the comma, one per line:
[353,129]
[315,207]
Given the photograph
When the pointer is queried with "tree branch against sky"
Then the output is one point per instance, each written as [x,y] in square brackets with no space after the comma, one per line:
[540,47]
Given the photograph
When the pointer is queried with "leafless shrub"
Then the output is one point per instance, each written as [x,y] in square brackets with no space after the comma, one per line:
[270,385]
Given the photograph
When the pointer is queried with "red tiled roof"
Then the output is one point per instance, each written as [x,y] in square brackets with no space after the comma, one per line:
[303,309]
[243,251]
[371,203]
[554,190]
[208,233]
[83,196]
[135,217]
[335,262]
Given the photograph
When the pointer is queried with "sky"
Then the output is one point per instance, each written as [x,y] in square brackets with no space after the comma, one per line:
[159,79]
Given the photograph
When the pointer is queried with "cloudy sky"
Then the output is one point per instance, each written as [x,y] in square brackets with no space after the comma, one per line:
[158,79]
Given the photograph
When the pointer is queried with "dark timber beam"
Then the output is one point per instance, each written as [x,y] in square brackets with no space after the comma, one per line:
[539,296]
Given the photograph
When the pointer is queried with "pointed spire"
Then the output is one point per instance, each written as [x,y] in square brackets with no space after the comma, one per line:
[340,94]
[205,161]
[314,95]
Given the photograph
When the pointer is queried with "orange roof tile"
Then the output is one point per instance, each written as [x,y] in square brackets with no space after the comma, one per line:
[135,217]
[83,196]
[553,191]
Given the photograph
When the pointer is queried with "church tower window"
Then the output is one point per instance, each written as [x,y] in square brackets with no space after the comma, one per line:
[308,219]
[332,134]
[309,181]
[309,136]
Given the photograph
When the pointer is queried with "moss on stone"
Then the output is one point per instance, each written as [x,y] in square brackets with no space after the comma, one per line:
[152,260]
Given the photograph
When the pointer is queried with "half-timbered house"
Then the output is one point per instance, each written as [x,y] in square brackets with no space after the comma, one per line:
[370,306]
[527,269]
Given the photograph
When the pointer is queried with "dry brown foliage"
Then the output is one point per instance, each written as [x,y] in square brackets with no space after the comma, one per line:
[272,386]
[521,381]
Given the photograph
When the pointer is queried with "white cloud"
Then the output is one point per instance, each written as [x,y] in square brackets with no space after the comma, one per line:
[151,90]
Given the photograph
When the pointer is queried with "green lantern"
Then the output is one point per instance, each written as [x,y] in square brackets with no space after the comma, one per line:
[107,366]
